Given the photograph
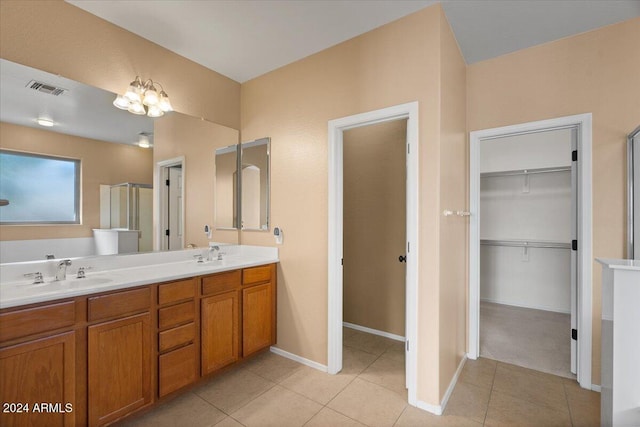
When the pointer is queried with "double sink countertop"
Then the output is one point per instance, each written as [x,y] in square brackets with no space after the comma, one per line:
[113,272]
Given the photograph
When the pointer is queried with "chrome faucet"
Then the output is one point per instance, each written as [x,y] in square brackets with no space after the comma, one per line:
[212,251]
[61,273]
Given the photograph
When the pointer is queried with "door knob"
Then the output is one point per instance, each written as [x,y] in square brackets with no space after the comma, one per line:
[402,258]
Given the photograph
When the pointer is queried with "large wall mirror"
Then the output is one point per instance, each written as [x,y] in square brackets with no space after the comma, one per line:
[116,151]
[242,186]
[633,196]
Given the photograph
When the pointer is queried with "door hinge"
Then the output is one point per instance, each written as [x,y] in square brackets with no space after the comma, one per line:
[407,345]
[574,156]
[166,232]
[341,261]
[408,148]
[167,182]
[408,247]
[574,245]
[574,334]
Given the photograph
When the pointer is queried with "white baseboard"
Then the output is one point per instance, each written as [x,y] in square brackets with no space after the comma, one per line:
[596,387]
[299,359]
[434,409]
[439,409]
[533,307]
[373,331]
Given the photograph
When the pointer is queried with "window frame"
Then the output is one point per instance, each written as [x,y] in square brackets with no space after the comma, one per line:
[77,188]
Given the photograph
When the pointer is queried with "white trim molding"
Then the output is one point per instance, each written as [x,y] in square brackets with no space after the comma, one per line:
[158,192]
[585,257]
[373,331]
[439,409]
[336,127]
[299,359]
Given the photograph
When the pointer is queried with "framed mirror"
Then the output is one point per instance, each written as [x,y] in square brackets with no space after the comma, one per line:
[254,204]
[226,188]
[242,199]
[116,152]
[633,194]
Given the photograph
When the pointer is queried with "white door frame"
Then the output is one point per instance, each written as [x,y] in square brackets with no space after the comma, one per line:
[407,111]
[160,196]
[585,260]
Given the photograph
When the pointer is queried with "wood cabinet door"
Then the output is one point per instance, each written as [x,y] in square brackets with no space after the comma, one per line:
[219,326]
[257,318]
[41,375]
[120,365]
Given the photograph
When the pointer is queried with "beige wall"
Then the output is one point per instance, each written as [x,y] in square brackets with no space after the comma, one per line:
[595,72]
[101,163]
[375,226]
[60,38]
[454,167]
[397,63]
[177,135]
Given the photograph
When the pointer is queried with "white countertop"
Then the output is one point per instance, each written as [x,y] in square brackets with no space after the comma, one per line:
[120,272]
[620,264]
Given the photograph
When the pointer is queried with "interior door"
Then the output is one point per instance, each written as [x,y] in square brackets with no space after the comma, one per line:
[175,208]
[574,251]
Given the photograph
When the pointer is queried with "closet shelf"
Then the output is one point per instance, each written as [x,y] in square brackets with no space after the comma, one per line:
[526,243]
[525,172]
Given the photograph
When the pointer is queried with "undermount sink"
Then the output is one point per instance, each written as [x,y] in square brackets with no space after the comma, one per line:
[86,282]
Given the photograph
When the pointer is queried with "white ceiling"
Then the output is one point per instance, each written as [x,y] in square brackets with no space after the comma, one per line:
[245,39]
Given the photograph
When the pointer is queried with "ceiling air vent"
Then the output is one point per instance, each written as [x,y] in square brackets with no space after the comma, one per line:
[46,88]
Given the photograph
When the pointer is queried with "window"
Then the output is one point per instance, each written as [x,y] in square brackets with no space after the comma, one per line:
[39,189]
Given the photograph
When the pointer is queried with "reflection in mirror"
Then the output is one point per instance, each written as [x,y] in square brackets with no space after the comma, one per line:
[48,115]
[255,185]
[130,207]
[633,169]
[226,188]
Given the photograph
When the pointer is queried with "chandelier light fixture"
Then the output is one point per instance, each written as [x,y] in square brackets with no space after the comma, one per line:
[143,98]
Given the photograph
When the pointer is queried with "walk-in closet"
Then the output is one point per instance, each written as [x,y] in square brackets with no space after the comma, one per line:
[527,223]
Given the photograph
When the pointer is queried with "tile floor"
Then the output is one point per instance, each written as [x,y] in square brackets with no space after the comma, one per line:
[535,339]
[273,391]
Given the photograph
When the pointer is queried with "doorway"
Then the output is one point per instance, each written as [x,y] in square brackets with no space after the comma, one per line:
[169,214]
[336,254]
[575,250]
[374,236]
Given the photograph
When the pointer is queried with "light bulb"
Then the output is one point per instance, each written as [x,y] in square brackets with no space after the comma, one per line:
[44,122]
[136,108]
[150,97]
[134,90]
[143,141]
[155,111]
[164,102]
[121,102]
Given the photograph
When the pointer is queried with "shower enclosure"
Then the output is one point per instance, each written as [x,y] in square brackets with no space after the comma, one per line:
[129,208]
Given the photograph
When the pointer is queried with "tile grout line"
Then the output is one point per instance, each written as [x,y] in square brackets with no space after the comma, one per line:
[493,380]
[566,396]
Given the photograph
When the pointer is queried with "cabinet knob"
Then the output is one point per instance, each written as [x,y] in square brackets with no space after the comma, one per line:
[402,258]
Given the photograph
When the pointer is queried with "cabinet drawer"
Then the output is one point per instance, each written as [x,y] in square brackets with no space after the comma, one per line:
[176,291]
[119,304]
[176,314]
[177,336]
[22,323]
[222,282]
[177,369]
[256,275]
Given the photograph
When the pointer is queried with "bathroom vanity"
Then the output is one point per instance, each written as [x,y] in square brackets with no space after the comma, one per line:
[110,348]
[620,397]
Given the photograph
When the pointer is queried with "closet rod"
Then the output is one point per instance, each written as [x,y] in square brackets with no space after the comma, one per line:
[525,172]
[526,244]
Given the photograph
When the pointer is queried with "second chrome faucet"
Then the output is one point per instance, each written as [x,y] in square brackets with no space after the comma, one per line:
[61,272]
